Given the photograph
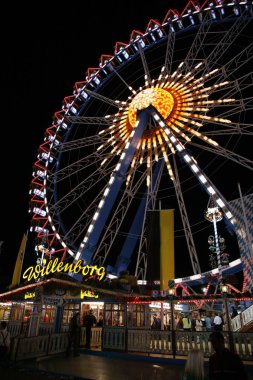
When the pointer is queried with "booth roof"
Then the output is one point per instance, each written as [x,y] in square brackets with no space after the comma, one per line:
[50,286]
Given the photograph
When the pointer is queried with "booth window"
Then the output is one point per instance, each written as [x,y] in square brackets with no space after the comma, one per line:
[114,314]
[48,313]
[17,312]
[5,310]
[68,312]
[136,315]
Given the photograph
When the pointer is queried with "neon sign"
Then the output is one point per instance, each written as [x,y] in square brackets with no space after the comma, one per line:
[88,293]
[53,266]
[29,295]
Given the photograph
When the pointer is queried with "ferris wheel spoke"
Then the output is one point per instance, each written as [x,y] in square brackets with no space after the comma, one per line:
[193,166]
[233,65]
[237,107]
[80,225]
[88,120]
[241,107]
[104,99]
[237,62]
[197,44]
[234,129]
[116,220]
[185,221]
[169,52]
[239,87]
[80,190]
[150,204]
[240,160]
[81,143]
[232,89]
[145,65]
[226,42]
[122,79]
[75,167]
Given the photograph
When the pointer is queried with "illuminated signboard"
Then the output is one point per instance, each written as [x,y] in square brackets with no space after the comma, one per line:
[55,265]
[29,295]
[88,293]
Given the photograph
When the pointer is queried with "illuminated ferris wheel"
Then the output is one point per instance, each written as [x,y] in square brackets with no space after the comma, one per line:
[156,123]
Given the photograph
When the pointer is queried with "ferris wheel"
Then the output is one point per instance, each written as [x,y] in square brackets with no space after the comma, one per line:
[157,123]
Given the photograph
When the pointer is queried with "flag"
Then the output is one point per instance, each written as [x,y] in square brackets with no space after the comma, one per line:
[242,210]
[19,262]
[160,240]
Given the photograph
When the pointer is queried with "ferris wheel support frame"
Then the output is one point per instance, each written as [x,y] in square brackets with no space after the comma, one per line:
[88,246]
[247,261]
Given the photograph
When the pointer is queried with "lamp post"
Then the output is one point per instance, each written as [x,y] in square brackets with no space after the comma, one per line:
[224,292]
[173,336]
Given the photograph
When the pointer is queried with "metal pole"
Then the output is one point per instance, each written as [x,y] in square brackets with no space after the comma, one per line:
[230,334]
[173,335]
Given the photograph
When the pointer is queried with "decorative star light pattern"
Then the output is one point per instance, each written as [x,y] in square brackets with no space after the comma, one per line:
[182,101]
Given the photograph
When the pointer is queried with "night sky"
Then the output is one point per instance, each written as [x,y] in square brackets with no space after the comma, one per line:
[44,52]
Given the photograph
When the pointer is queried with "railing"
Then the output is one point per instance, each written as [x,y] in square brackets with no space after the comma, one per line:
[114,338]
[96,336]
[37,346]
[133,340]
[48,344]
[247,316]
[243,319]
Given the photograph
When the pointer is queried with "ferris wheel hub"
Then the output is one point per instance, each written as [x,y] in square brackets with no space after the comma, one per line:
[159,98]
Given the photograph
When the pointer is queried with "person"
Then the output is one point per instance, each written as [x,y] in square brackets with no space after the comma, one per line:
[194,367]
[186,323]
[208,322]
[5,342]
[74,334]
[179,323]
[234,312]
[100,321]
[217,323]
[224,364]
[199,325]
[156,324]
[89,320]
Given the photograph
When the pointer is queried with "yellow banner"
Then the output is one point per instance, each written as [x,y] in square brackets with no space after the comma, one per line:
[167,261]
[19,262]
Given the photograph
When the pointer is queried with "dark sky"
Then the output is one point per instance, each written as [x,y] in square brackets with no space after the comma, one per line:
[44,52]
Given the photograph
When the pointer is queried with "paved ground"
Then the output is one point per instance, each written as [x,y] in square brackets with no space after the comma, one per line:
[100,366]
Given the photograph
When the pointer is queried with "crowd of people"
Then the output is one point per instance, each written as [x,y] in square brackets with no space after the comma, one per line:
[204,322]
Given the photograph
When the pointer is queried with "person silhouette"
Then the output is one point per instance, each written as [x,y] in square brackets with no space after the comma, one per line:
[224,364]
[74,334]
[89,321]
[5,341]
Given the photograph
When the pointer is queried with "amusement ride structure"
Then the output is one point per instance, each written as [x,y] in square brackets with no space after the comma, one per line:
[151,127]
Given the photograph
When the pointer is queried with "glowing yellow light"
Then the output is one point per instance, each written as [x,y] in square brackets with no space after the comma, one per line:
[161,99]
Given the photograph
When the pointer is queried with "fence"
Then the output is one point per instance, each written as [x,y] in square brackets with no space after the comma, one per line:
[174,343]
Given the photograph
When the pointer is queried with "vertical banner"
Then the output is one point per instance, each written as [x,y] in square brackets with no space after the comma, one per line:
[160,238]
[19,262]
[167,261]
